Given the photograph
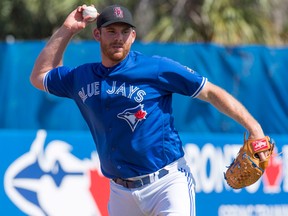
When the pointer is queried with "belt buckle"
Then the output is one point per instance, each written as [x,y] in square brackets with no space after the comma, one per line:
[138,183]
[141,180]
[130,184]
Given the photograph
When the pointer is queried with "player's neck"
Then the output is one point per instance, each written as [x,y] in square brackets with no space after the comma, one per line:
[111,62]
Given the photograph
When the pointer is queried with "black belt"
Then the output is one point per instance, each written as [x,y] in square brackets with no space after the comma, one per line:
[141,181]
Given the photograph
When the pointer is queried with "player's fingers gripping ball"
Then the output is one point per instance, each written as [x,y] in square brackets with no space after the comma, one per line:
[248,167]
[90,12]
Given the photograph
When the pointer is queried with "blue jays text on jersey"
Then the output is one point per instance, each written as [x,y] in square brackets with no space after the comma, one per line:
[128,109]
[93,89]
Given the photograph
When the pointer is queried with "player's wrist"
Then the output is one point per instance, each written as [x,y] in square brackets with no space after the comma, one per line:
[66,31]
[256,132]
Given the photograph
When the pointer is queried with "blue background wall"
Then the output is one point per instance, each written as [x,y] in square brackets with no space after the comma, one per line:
[256,75]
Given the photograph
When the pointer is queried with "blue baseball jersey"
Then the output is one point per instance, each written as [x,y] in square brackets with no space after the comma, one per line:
[128,109]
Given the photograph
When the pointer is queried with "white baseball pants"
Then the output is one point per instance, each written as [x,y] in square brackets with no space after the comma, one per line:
[172,195]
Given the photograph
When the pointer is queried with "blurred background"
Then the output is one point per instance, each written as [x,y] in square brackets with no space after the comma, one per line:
[240,45]
[228,22]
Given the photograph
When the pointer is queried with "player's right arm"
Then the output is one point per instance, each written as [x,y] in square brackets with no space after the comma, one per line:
[52,54]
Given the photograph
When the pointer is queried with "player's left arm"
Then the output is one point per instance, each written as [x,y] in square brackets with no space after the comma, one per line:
[231,107]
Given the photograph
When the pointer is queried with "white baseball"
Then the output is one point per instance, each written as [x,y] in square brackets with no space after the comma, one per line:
[90,11]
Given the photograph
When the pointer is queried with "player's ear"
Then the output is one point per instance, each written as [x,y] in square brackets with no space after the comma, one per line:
[96,34]
[133,35]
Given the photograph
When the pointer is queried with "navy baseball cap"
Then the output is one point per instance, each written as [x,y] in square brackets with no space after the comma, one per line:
[114,14]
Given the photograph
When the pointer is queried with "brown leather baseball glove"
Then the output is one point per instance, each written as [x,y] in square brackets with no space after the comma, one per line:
[248,166]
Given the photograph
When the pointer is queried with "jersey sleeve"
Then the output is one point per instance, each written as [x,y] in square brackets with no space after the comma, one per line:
[59,81]
[180,79]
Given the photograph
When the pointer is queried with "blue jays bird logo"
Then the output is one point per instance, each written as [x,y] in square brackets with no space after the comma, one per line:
[52,181]
[133,116]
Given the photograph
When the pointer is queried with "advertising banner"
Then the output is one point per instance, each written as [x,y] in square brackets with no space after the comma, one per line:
[209,156]
[58,173]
